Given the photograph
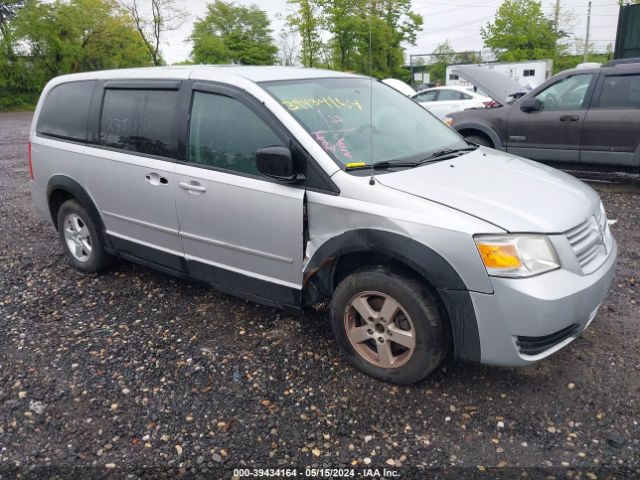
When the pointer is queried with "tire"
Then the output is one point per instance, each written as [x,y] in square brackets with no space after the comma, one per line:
[417,314]
[78,228]
[479,140]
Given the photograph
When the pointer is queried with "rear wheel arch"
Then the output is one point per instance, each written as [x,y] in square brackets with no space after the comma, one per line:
[357,249]
[62,188]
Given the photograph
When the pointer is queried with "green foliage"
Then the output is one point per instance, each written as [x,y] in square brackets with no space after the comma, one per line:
[307,22]
[567,62]
[363,36]
[45,39]
[521,32]
[230,33]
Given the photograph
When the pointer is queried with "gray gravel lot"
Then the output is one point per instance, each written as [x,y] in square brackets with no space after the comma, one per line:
[137,373]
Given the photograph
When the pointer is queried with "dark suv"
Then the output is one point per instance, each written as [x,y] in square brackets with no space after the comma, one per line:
[589,116]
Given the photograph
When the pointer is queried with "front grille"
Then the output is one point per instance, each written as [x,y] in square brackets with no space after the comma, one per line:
[590,241]
[536,345]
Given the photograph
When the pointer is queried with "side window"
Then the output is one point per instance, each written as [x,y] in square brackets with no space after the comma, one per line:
[65,111]
[225,133]
[139,120]
[620,91]
[429,96]
[448,95]
[465,96]
[566,94]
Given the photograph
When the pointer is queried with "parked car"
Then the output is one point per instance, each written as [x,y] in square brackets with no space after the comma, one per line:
[399,85]
[444,100]
[586,115]
[282,186]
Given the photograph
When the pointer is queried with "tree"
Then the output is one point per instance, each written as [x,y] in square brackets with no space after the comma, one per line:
[520,32]
[288,47]
[55,38]
[165,16]
[307,21]
[230,33]
[377,27]
[442,55]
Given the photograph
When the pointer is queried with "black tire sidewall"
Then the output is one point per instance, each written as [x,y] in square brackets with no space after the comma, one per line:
[99,258]
[417,301]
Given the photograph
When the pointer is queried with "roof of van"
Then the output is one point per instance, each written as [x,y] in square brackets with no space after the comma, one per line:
[252,73]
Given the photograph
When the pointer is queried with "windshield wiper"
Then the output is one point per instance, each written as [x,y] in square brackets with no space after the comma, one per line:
[447,152]
[384,164]
[440,155]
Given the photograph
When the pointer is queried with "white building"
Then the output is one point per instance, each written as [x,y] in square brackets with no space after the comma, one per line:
[529,74]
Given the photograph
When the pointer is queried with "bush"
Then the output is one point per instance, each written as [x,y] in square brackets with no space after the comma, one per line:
[18,101]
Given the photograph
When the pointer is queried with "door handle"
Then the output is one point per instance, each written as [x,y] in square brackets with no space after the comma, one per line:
[571,118]
[192,187]
[154,179]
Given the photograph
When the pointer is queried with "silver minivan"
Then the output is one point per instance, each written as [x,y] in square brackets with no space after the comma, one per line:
[293,187]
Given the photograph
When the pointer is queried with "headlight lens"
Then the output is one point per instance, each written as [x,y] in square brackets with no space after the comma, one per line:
[516,255]
[448,121]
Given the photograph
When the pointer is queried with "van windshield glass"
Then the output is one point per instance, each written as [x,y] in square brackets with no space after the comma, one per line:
[337,114]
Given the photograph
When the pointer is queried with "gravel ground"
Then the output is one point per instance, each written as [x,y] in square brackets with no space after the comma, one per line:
[134,373]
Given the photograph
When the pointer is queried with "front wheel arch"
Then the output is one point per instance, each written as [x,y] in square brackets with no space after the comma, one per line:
[368,246]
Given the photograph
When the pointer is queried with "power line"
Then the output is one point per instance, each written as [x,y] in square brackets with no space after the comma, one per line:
[424,34]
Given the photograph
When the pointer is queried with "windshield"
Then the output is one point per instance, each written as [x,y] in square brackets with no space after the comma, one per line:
[337,114]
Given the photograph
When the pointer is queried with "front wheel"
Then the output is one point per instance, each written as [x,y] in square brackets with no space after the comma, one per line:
[389,325]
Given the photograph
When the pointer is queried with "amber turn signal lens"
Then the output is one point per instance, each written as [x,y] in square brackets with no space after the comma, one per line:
[499,256]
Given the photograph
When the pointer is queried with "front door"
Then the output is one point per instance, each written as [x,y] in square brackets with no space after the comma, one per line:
[241,231]
[553,132]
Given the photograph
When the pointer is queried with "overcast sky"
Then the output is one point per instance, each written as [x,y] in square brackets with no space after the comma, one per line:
[456,20]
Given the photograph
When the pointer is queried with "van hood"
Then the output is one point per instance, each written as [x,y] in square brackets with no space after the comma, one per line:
[513,193]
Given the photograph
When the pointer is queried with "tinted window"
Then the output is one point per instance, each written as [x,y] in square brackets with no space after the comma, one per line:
[448,95]
[566,94]
[225,133]
[429,96]
[620,91]
[465,96]
[139,120]
[66,110]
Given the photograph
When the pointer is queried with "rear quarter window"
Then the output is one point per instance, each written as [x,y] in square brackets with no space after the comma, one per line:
[65,111]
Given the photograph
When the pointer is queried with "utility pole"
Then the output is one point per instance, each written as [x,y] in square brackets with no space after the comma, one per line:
[586,42]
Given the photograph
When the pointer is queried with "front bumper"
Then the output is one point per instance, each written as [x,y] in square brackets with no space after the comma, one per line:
[547,312]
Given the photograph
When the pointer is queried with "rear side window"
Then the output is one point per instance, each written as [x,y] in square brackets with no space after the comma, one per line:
[139,120]
[620,91]
[65,111]
[446,95]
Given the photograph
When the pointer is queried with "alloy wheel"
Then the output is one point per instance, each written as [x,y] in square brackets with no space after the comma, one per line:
[379,329]
[77,237]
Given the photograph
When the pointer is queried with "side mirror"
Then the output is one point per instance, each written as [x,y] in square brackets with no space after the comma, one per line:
[531,105]
[276,162]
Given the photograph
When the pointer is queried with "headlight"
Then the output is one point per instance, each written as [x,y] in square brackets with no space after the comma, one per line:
[448,121]
[516,255]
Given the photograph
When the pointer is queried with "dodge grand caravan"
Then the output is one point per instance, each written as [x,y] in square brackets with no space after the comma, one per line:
[292,187]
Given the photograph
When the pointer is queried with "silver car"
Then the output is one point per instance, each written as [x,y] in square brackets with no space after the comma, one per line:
[291,187]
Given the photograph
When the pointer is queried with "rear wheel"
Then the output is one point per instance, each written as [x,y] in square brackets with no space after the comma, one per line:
[81,240]
[389,325]
[479,140]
